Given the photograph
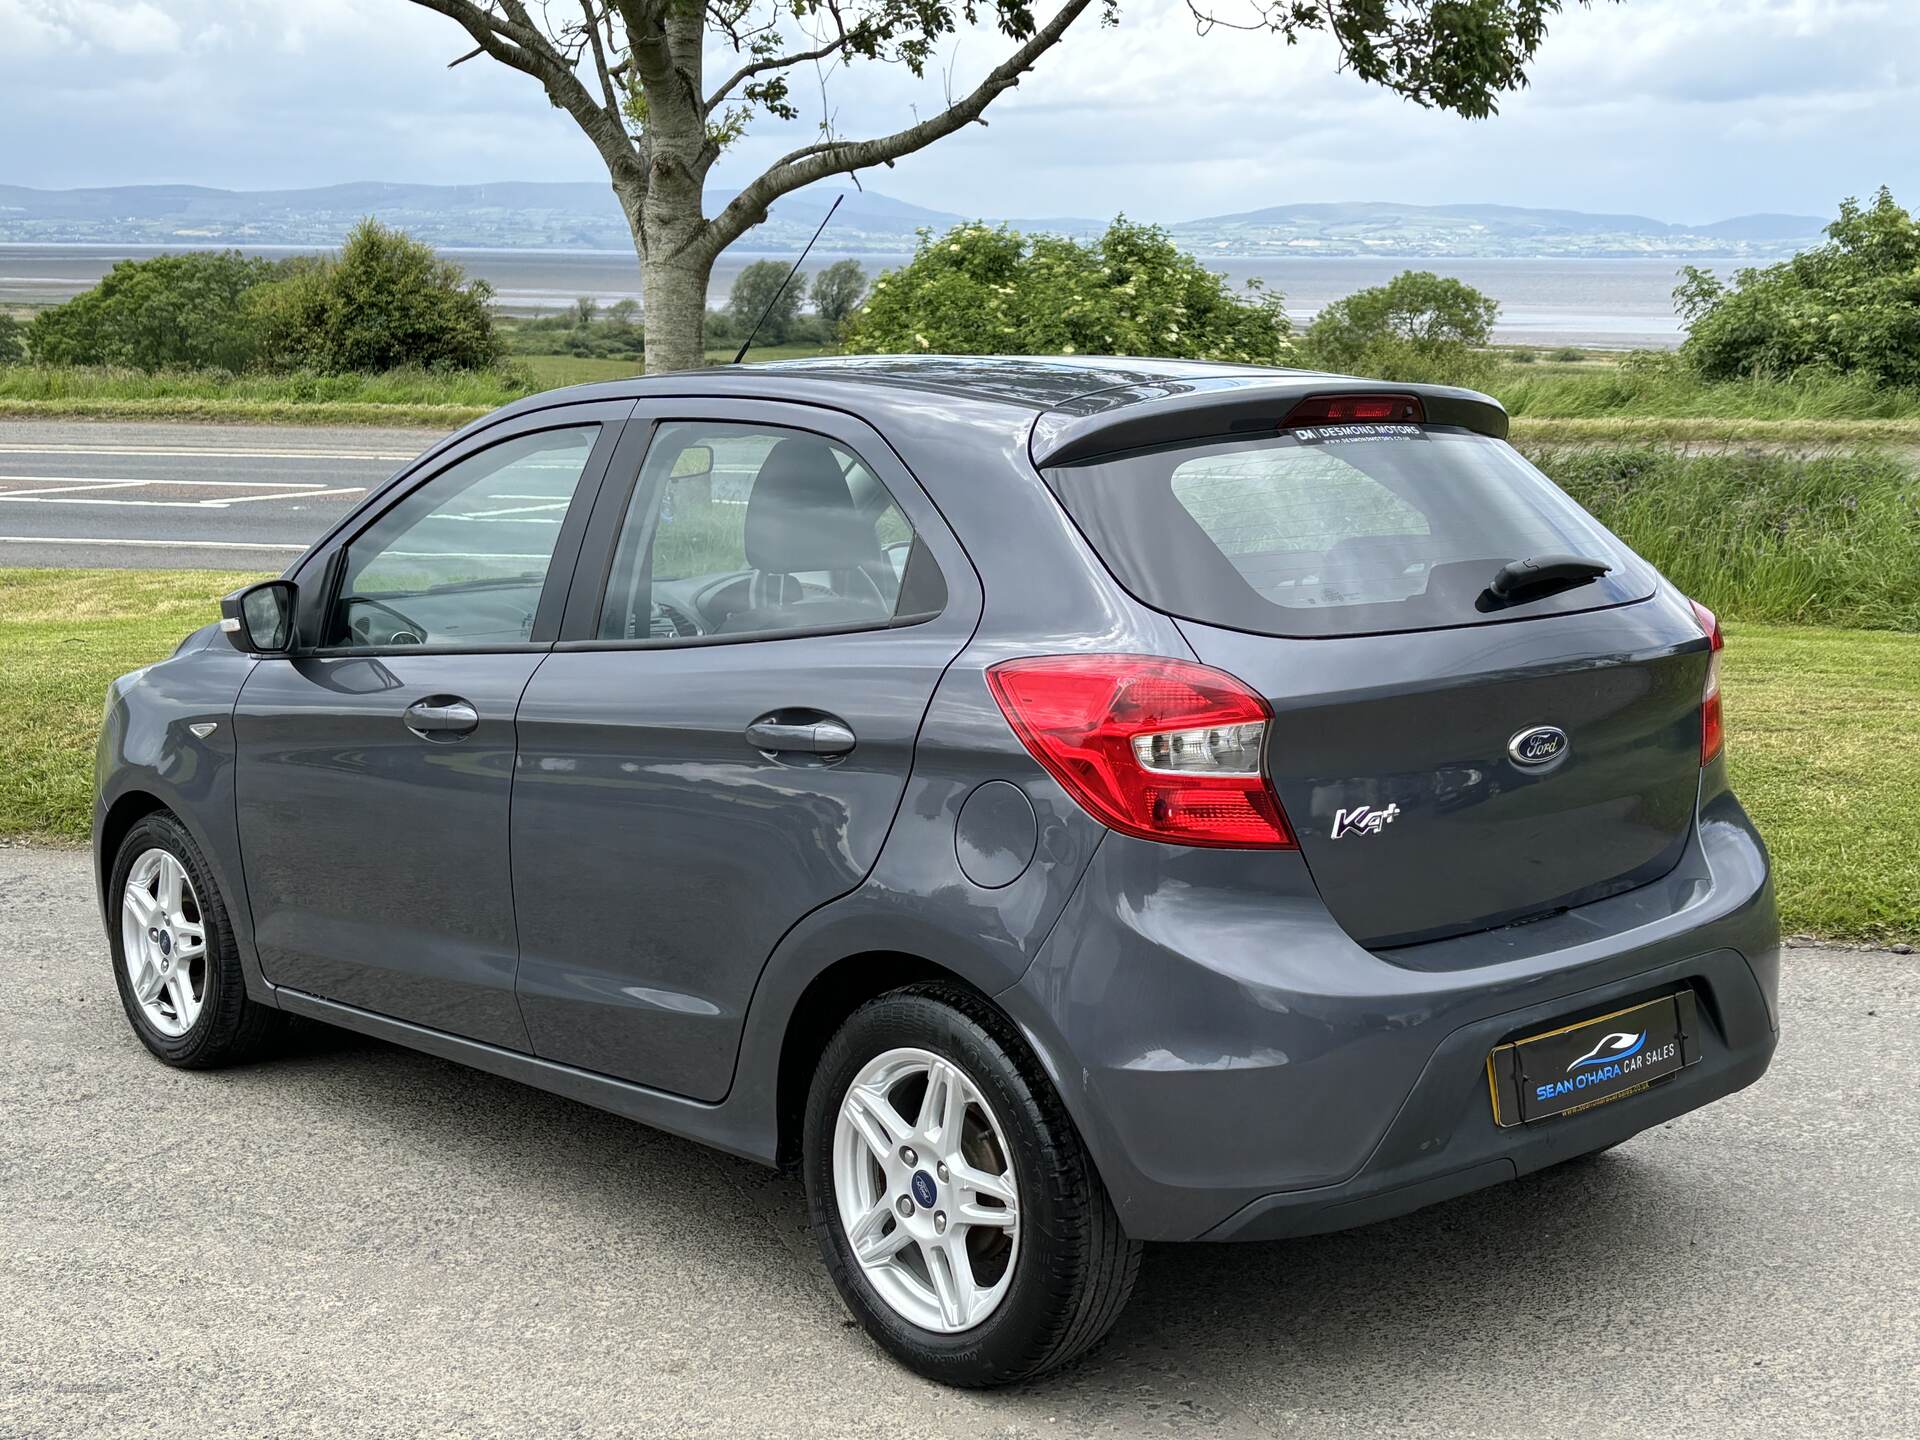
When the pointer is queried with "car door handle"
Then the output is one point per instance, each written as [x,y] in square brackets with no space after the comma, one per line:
[825,736]
[440,717]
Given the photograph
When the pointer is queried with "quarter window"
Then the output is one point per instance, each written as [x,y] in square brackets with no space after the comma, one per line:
[741,530]
[463,559]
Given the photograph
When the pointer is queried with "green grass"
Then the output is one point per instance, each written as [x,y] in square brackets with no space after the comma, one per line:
[1822,725]
[396,397]
[1823,539]
[63,635]
[1657,388]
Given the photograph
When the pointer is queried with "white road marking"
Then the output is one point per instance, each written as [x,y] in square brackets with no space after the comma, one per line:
[152,544]
[20,498]
[207,454]
[154,480]
[84,485]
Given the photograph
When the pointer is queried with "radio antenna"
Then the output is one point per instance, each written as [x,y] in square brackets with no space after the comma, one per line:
[747,344]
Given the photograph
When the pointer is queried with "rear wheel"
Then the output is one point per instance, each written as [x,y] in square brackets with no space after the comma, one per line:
[955,1206]
[174,961]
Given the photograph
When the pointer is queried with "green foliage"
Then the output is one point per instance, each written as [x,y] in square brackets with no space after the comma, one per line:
[13,338]
[1568,355]
[755,290]
[386,300]
[191,311]
[837,291]
[1819,540]
[1660,385]
[1417,326]
[1131,292]
[1851,305]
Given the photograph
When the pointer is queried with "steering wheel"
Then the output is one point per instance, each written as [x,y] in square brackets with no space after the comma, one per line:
[411,632]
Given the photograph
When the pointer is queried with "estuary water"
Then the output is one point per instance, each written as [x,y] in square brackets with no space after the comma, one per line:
[1615,304]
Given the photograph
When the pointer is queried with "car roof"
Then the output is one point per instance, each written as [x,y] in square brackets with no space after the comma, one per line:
[1072,406]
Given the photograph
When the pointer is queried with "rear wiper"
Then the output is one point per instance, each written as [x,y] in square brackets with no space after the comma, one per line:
[1536,571]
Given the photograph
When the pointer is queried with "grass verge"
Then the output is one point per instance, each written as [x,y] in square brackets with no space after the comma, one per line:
[1829,539]
[1817,719]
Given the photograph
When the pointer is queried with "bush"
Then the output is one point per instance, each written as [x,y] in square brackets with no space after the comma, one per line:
[1568,355]
[188,311]
[1416,320]
[977,291]
[13,339]
[837,291]
[385,301]
[1851,305]
[757,291]
[1813,540]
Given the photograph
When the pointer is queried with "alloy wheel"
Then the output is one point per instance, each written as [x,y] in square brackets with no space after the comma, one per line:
[925,1188]
[163,942]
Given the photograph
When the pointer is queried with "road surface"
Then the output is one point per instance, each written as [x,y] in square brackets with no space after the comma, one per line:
[219,497]
[355,1239]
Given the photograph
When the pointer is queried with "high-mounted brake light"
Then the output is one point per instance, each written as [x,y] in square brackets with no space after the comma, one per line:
[1163,749]
[1345,409]
[1712,731]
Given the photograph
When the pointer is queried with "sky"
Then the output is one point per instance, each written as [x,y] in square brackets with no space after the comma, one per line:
[1685,110]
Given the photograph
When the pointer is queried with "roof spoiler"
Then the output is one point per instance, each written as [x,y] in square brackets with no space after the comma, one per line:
[1172,412]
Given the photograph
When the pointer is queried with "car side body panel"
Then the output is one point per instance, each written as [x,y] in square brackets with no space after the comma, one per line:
[147,756]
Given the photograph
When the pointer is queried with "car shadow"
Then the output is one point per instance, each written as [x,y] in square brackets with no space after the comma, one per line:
[1213,1332]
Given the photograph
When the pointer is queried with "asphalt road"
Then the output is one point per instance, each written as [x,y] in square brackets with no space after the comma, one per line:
[355,1239]
[221,497]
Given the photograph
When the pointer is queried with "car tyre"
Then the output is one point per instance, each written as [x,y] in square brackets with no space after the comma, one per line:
[1071,1266]
[196,1014]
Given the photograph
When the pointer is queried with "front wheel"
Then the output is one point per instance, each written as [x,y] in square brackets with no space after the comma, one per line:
[174,961]
[957,1210]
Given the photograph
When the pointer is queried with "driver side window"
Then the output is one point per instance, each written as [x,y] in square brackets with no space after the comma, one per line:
[463,559]
[747,529]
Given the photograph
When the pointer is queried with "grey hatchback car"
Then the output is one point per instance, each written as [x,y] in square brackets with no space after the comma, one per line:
[1054,804]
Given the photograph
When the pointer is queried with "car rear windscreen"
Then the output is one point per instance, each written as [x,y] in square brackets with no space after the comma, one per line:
[1336,530]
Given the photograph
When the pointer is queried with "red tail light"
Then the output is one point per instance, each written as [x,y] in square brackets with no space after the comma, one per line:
[1343,409]
[1163,749]
[1712,732]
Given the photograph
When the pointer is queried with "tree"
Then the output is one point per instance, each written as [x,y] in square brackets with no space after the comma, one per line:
[621,315]
[1852,304]
[188,311]
[632,76]
[1429,315]
[837,291]
[13,338]
[754,290]
[385,300]
[1131,292]
[582,312]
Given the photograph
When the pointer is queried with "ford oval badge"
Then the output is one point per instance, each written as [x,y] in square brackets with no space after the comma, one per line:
[1540,745]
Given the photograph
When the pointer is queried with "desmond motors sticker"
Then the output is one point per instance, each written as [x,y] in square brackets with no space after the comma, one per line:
[1348,434]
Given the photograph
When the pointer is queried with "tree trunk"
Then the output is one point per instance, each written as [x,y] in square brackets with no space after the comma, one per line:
[676,311]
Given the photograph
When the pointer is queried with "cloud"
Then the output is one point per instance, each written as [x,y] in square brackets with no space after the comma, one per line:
[1685,109]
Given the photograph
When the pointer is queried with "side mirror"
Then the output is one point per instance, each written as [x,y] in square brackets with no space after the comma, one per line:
[693,463]
[259,619]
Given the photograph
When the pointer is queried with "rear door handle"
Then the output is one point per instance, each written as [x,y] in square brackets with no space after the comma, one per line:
[825,736]
[441,717]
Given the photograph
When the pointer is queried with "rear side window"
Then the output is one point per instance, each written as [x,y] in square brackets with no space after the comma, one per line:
[745,530]
[1338,532]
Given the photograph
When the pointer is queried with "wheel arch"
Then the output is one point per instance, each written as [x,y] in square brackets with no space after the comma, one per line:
[823,1007]
[127,810]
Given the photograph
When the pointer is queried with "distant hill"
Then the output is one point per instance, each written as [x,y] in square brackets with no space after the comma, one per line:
[1381,228]
[563,215]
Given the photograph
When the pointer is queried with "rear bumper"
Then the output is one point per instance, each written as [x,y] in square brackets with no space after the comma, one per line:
[1240,1069]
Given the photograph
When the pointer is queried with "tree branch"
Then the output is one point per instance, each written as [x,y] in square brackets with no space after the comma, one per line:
[812,163]
[778,62]
[512,39]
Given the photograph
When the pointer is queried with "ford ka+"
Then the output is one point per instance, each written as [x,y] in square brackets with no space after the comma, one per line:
[1054,804]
